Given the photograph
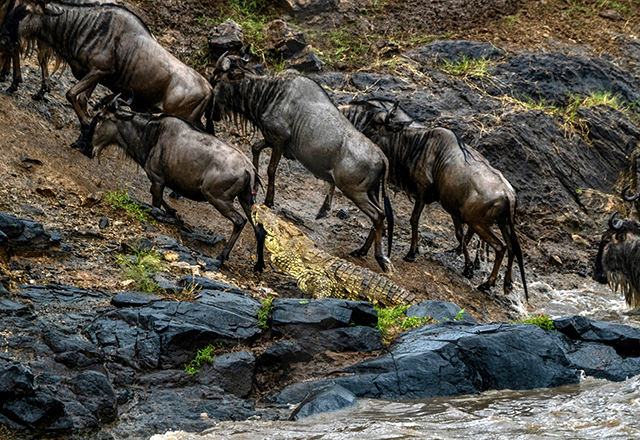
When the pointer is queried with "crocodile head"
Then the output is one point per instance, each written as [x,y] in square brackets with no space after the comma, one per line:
[281,236]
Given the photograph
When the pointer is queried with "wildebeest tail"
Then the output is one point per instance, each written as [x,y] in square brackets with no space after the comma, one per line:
[517,250]
[388,211]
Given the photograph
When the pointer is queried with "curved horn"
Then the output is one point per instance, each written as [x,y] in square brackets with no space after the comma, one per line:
[113,105]
[630,198]
[129,101]
[219,64]
[615,224]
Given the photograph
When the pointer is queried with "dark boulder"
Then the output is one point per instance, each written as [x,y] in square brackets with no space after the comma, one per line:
[439,311]
[15,380]
[225,37]
[232,372]
[451,358]
[623,339]
[329,399]
[94,391]
[284,40]
[200,282]
[298,317]
[134,299]
[454,52]
[24,235]
[305,61]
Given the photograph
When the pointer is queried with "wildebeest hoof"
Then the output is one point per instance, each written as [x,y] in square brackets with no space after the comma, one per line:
[358,253]
[468,271]
[410,257]
[38,97]
[12,89]
[259,267]
[321,214]
[386,265]
[484,287]
[508,286]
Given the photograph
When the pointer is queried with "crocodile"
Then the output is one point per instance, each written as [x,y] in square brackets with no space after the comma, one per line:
[320,274]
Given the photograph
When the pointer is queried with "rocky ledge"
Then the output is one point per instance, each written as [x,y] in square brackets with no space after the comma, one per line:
[84,363]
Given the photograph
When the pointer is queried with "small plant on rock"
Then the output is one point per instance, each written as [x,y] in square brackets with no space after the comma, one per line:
[466,66]
[393,320]
[141,266]
[203,356]
[263,313]
[120,200]
[542,321]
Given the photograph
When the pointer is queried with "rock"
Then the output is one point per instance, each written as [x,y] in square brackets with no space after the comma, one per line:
[15,380]
[225,37]
[304,61]
[453,358]
[342,214]
[134,299]
[137,244]
[282,354]
[328,399]
[439,311]
[104,222]
[611,14]
[381,48]
[46,191]
[186,254]
[96,394]
[303,8]
[233,372]
[625,340]
[299,317]
[555,261]
[24,234]
[454,51]
[283,39]
[203,283]
[93,199]
[230,300]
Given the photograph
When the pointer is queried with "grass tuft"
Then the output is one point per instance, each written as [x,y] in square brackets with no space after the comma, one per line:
[203,356]
[263,313]
[120,200]
[141,266]
[466,66]
[393,320]
[542,321]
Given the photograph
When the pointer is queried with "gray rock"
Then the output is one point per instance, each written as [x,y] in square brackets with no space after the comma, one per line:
[454,51]
[209,284]
[304,61]
[329,399]
[233,372]
[96,394]
[439,311]
[299,317]
[283,39]
[225,37]
[623,339]
[16,380]
[134,299]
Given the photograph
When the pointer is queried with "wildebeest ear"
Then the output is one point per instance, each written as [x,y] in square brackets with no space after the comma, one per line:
[124,115]
[245,53]
[258,69]
[223,63]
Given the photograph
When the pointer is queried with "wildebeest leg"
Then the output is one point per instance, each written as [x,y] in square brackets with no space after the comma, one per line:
[246,201]
[17,73]
[6,68]
[458,227]
[486,234]
[328,201]
[367,205]
[80,106]
[225,207]
[468,266]
[255,155]
[415,220]
[276,155]
[45,87]
[157,198]
[506,235]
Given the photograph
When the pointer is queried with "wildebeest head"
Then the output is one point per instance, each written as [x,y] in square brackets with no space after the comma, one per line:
[23,15]
[380,115]
[104,127]
[618,259]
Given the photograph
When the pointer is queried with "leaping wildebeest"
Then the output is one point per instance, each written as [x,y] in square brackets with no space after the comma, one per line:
[618,259]
[436,165]
[298,119]
[108,44]
[176,154]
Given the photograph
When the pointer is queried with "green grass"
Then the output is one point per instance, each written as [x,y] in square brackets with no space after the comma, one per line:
[141,266]
[120,200]
[393,320]
[263,313]
[542,321]
[466,66]
[203,356]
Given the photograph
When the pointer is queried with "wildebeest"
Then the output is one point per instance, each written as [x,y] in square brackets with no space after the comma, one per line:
[634,162]
[298,119]
[435,165]
[618,259]
[177,154]
[109,45]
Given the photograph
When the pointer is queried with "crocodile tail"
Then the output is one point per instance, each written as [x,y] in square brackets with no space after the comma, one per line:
[388,211]
[517,250]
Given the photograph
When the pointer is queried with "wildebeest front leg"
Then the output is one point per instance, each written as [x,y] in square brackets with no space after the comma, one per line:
[17,73]
[415,220]
[468,265]
[276,154]
[45,87]
[255,156]
[506,235]
[157,198]
[328,201]
[87,83]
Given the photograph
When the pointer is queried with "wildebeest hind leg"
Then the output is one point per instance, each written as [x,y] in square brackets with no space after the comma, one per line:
[328,201]
[487,235]
[276,154]
[415,220]
[225,207]
[246,201]
[468,266]
[86,84]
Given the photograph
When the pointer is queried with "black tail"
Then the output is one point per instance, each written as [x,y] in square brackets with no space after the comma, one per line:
[518,253]
[388,212]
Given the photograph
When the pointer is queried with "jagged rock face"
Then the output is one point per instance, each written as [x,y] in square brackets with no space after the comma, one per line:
[224,38]
[284,39]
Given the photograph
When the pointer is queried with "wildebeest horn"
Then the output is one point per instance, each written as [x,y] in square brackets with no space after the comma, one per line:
[223,63]
[615,224]
[630,198]
[113,105]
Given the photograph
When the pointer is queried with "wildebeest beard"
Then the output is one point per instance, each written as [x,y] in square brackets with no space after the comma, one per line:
[245,102]
[621,262]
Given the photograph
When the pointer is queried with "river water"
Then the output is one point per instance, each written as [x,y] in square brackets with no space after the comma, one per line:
[593,409]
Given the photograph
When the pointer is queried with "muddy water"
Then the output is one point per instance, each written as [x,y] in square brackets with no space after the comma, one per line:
[594,409]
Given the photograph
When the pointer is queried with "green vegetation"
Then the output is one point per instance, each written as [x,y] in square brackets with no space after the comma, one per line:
[466,66]
[542,321]
[141,266]
[263,313]
[392,321]
[120,200]
[202,357]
